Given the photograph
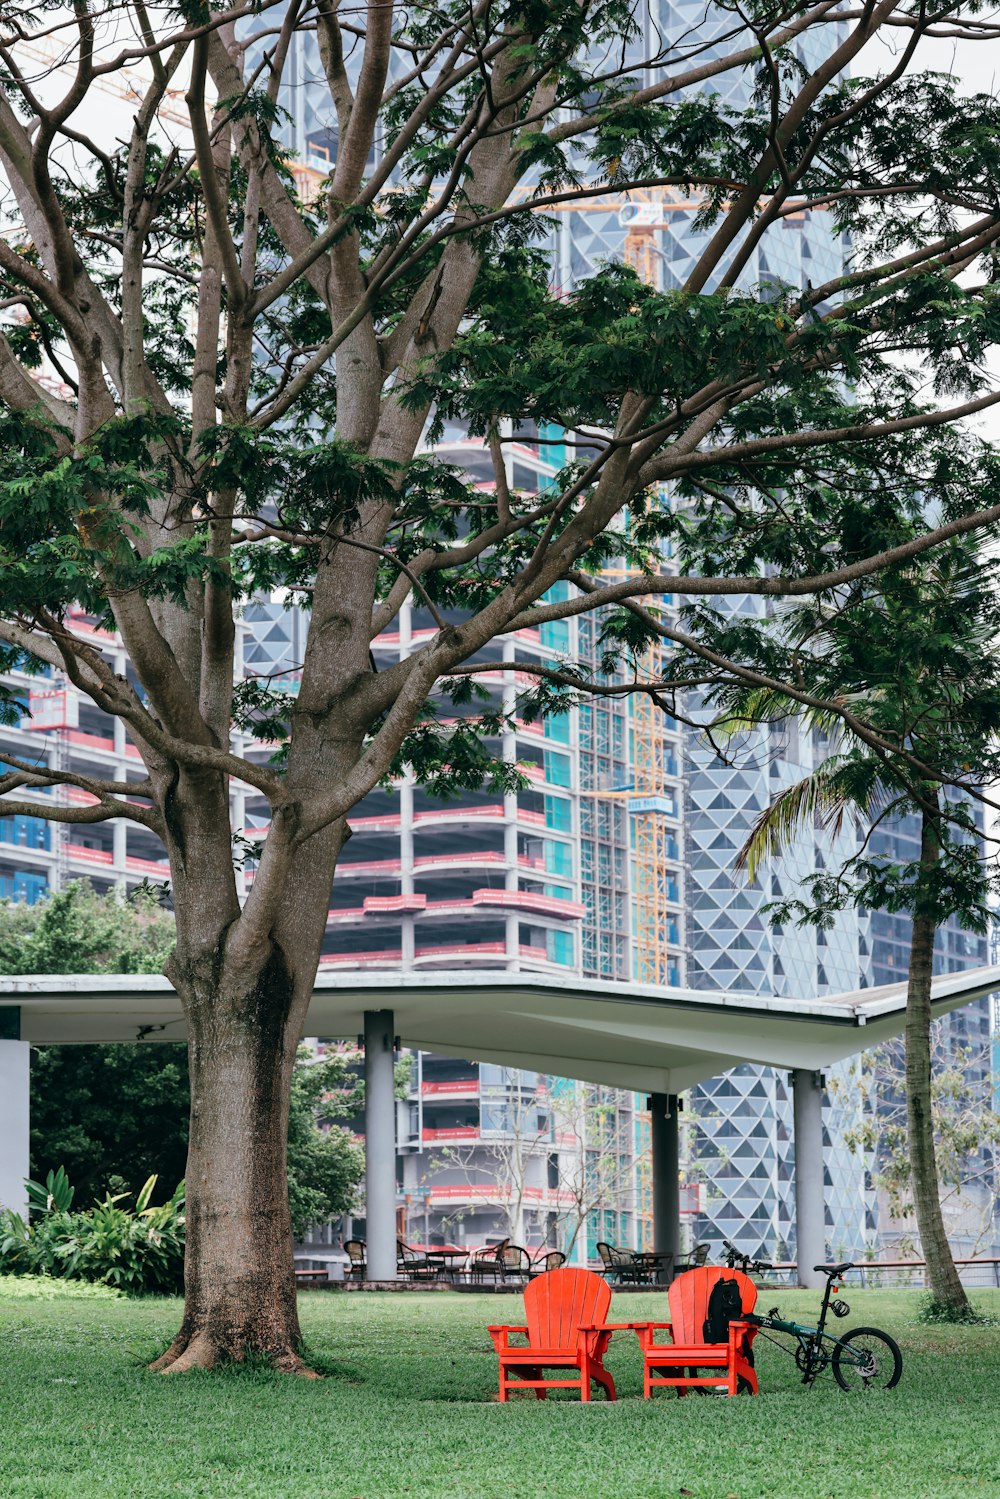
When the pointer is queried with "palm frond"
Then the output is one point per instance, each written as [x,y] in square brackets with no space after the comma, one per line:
[842,785]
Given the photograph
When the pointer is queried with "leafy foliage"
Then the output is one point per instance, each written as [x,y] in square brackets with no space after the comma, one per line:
[76,930]
[137,1250]
[325,1160]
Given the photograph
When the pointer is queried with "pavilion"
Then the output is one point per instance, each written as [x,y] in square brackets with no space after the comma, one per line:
[625,1035]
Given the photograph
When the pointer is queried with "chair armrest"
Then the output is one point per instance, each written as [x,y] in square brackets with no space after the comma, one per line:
[501,1336]
[605,1326]
[645,1330]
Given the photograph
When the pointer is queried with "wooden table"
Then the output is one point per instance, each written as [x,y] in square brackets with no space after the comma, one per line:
[443,1260]
[658,1262]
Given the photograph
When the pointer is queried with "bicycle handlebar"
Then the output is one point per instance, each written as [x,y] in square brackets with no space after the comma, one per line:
[736,1257]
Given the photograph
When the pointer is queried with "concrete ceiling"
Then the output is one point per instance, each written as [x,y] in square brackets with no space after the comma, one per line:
[625,1035]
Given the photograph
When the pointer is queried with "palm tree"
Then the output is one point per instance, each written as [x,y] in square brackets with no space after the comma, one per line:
[916,666]
[842,787]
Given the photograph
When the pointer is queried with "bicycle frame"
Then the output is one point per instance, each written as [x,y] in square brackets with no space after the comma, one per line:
[814,1344]
[815,1348]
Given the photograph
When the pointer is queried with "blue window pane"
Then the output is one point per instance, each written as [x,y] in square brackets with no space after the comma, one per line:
[557,768]
[558,814]
[560,947]
[558,859]
[557,727]
[554,635]
[29,887]
[552,448]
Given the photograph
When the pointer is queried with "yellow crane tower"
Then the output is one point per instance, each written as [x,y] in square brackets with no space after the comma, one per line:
[651,799]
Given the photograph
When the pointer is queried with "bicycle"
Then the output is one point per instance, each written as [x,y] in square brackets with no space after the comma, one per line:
[866,1358]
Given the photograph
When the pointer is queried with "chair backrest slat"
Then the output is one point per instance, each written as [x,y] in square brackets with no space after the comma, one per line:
[688,1297]
[559,1301]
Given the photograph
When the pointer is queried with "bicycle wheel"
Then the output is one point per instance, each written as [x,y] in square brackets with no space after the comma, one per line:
[867,1359]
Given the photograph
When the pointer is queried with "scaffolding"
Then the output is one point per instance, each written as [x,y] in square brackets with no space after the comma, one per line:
[652,803]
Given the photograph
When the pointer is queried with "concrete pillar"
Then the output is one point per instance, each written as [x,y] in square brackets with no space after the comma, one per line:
[408,936]
[119,851]
[14,1099]
[508,751]
[664,1109]
[380,1145]
[810,1215]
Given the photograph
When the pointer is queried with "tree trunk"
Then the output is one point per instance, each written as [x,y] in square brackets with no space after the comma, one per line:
[942,1277]
[239,1277]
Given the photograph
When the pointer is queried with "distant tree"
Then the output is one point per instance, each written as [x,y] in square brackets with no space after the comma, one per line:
[325,1160]
[582,1125]
[115,1115]
[966,1129]
[112,1115]
[76,930]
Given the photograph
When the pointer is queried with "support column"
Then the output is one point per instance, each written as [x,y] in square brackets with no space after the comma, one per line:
[810,1213]
[14,1101]
[380,1145]
[664,1109]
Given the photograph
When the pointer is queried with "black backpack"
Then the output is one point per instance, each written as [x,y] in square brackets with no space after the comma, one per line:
[725,1305]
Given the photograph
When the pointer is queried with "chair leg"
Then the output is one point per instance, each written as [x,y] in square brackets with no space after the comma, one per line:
[604,1378]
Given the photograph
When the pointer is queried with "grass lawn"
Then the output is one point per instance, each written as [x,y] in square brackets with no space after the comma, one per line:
[407,1409]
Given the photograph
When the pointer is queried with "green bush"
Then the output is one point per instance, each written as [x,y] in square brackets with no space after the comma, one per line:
[934,1311]
[137,1250]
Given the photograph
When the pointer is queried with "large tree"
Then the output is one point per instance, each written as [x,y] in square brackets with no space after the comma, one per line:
[248,379]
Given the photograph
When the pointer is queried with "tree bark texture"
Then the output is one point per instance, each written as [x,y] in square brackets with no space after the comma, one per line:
[942,1277]
[239,1278]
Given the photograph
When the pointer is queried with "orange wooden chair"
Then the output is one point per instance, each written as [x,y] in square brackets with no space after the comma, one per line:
[565,1328]
[677,1363]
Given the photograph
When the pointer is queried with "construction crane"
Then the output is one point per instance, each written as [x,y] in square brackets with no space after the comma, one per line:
[652,803]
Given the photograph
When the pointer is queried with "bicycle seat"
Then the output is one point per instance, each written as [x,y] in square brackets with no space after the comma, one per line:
[834,1269]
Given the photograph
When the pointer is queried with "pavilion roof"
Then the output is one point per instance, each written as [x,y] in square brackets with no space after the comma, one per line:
[625,1035]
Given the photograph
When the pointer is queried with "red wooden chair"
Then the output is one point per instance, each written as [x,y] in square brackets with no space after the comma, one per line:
[565,1312]
[677,1362]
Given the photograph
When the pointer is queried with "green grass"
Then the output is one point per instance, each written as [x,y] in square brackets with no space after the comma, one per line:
[407,1409]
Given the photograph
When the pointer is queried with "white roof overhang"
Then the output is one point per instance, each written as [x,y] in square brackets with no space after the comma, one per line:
[625,1035]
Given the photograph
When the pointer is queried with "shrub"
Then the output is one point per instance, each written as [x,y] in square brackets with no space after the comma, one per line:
[934,1311]
[137,1250]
